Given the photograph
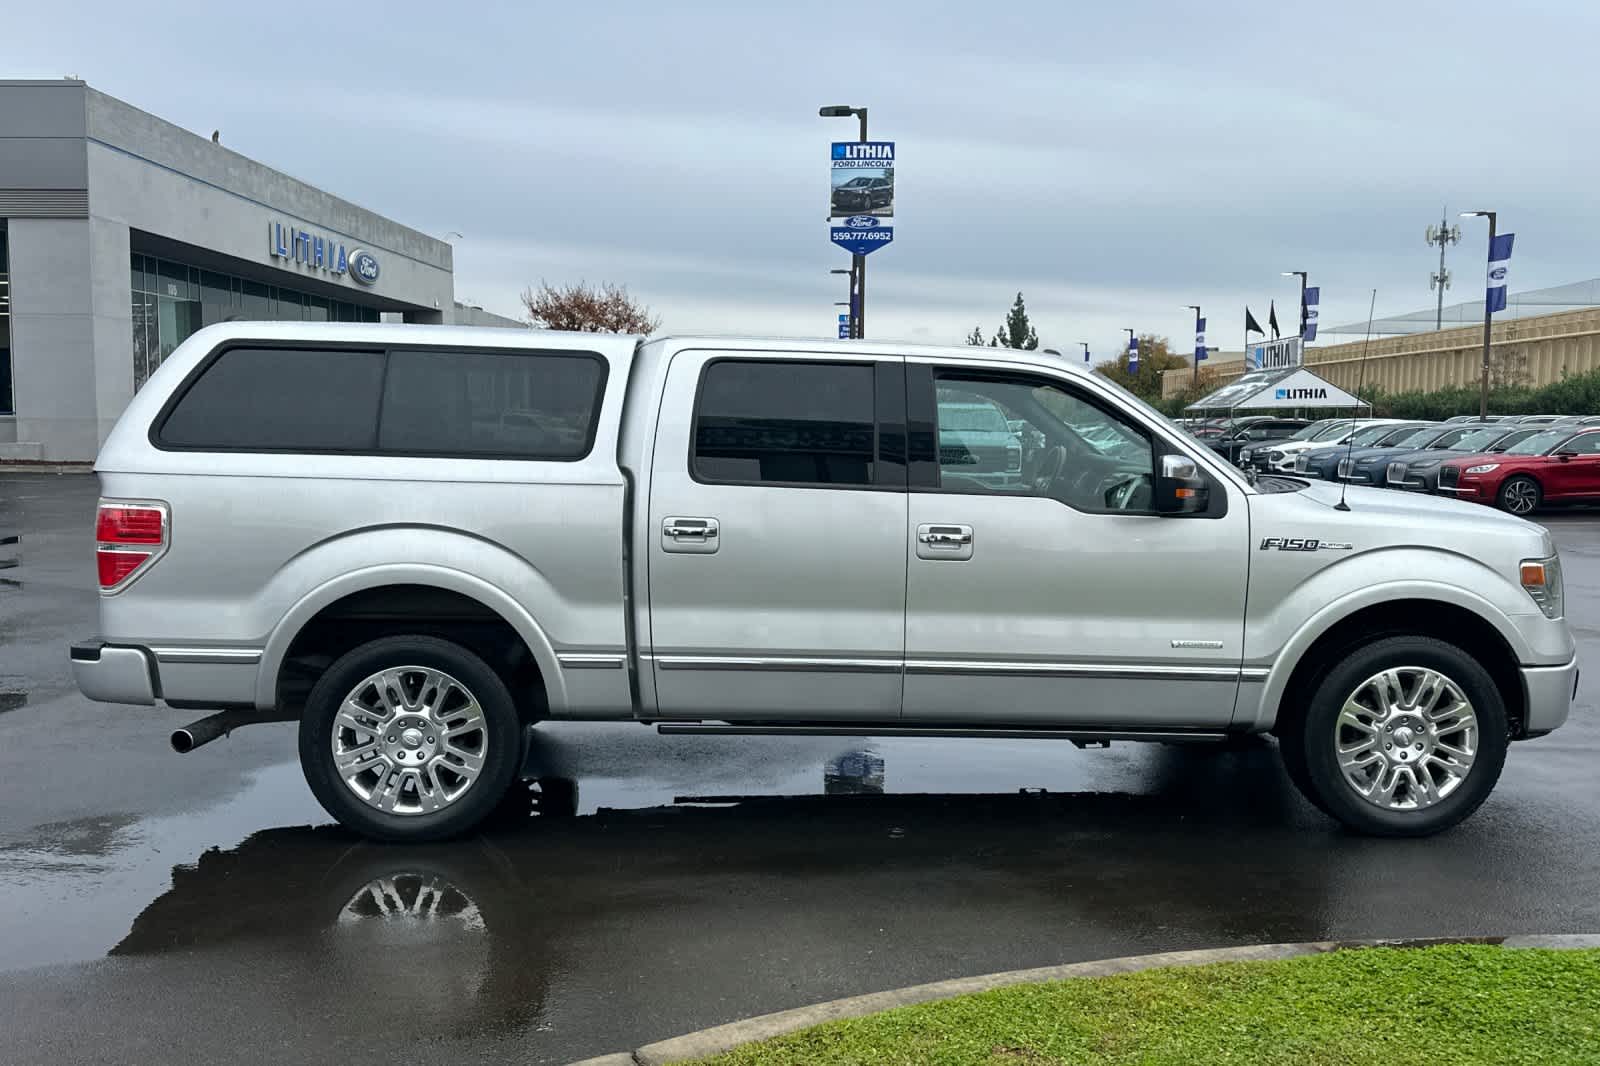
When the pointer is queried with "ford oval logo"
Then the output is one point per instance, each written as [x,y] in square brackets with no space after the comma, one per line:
[1498,273]
[861,222]
[363,266]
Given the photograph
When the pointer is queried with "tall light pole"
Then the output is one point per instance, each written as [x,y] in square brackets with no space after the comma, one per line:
[1301,274]
[1488,321]
[858,263]
[1442,234]
[849,304]
[1195,380]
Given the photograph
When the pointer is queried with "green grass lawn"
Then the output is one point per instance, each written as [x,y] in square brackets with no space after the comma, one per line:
[1440,1006]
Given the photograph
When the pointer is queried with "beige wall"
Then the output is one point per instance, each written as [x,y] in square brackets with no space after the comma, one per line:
[1530,351]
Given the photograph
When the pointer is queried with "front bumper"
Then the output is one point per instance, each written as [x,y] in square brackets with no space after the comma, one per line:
[110,674]
[1549,692]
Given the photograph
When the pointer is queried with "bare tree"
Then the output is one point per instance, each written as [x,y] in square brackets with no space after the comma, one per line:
[583,308]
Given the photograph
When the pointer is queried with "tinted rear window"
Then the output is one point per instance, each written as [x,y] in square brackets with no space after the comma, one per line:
[530,405]
[273,399]
[524,404]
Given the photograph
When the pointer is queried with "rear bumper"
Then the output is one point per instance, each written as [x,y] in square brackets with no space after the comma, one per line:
[1550,691]
[180,675]
[111,674]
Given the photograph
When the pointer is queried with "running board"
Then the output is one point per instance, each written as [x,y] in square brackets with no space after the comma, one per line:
[1080,737]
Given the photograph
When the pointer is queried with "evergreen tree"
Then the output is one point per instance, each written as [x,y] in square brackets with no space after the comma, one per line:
[975,338]
[1017,331]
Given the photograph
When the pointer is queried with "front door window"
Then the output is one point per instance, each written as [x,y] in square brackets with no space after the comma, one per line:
[1022,437]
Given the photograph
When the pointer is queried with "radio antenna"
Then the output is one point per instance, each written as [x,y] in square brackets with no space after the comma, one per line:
[1351,450]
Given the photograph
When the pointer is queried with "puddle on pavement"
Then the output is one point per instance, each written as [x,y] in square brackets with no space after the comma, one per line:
[74,889]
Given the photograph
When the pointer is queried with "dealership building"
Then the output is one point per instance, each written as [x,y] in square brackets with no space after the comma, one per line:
[121,234]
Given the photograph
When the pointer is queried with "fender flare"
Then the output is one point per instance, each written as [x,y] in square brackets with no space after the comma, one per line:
[1314,628]
[307,607]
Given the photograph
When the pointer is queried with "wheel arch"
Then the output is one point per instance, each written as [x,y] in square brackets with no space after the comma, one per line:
[1451,618]
[327,599]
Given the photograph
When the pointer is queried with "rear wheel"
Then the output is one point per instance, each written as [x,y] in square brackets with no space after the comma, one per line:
[1405,737]
[1520,495]
[409,738]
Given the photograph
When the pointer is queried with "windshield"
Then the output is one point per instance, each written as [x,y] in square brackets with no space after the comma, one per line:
[1318,430]
[1371,435]
[1539,443]
[976,416]
[1477,440]
[856,183]
[1419,438]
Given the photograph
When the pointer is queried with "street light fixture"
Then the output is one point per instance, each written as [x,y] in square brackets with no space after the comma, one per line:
[1483,385]
[858,263]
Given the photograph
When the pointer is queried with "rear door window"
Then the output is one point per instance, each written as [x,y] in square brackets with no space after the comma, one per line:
[785,423]
[280,399]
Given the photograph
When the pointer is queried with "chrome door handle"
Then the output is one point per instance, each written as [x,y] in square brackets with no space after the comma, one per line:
[956,538]
[944,541]
[704,528]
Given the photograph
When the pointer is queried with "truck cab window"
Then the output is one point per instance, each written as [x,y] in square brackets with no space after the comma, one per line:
[785,423]
[1025,437]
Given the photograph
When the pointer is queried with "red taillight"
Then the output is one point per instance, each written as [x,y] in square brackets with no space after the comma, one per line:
[114,566]
[128,525]
[128,537]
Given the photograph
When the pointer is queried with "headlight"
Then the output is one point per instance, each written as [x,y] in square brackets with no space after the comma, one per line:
[1275,455]
[1245,453]
[1484,469]
[1542,580]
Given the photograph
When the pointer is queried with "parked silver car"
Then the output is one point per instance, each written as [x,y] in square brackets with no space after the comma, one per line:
[418,541]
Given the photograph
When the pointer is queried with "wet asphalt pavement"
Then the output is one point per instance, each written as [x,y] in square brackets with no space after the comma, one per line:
[202,908]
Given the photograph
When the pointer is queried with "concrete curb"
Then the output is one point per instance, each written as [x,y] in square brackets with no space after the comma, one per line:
[718,1039]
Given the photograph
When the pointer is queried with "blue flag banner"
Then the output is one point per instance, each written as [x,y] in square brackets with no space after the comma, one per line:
[1086,355]
[1313,298]
[1499,264]
[1199,340]
[1133,355]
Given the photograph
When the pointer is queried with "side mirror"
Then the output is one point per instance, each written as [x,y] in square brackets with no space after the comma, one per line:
[1180,487]
[1566,457]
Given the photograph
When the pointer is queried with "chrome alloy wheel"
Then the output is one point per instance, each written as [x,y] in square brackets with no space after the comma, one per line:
[1406,738]
[409,740]
[1521,496]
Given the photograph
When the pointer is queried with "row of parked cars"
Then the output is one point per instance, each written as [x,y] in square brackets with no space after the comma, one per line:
[1517,463]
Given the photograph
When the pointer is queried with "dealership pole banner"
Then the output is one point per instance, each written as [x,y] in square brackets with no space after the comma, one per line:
[844,327]
[1133,355]
[1499,264]
[861,195]
[1308,313]
[1199,340]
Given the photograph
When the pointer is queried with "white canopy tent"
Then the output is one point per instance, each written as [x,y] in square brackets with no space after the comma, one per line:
[1284,389]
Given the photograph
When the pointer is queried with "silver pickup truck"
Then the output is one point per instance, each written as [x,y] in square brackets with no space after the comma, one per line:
[418,542]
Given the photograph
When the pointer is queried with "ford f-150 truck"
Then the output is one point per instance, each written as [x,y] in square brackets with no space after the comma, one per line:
[418,542]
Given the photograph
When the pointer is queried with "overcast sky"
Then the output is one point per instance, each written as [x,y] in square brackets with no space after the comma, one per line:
[1114,162]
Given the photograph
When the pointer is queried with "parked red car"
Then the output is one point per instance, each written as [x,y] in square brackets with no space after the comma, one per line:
[1559,464]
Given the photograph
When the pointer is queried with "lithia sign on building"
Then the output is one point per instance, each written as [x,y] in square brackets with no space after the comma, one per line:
[320,253]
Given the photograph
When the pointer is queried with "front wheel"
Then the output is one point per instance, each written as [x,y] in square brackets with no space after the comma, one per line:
[1405,737]
[1520,495]
[409,738]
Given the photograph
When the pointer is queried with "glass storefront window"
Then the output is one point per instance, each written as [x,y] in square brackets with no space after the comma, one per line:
[7,401]
[172,300]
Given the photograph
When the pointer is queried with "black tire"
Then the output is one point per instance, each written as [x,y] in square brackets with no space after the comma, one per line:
[1520,495]
[1294,765]
[1309,742]
[501,727]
